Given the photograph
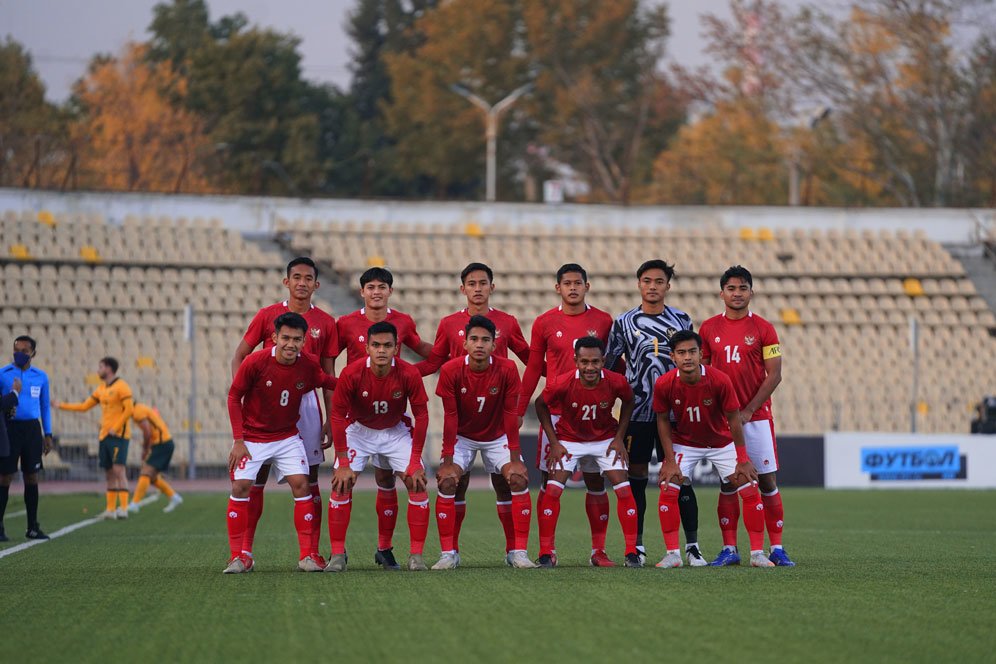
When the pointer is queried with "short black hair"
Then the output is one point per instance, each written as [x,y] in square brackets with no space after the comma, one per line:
[685,335]
[377,274]
[589,342]
[302,260]
[736,272]
[111,363]
[25,337]
[382,327]
[474,267]
[480,321]
[291,320]
[571,267]
[656,264]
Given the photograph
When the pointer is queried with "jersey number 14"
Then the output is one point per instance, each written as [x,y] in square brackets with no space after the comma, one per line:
[732,354]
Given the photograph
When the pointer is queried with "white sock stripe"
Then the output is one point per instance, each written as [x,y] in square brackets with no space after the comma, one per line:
[340,502]
[258,485]
[773,493]
[616,487]
[460,502]
[554,483]
[443,495]
[421,503]
[673,485]
[745,486]
[729,493]
[303,499]
[594,493]
[524,492]
[503,502]
[239,500]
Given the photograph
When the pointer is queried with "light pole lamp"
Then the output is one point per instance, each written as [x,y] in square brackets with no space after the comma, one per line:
[492,113]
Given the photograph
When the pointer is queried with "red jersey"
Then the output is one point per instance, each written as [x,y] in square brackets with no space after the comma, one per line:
[552,346]
[739,348]
[450,337]
[353,332]
[264,401]
[700,409]
[479,405]
[322,339]
[586,412]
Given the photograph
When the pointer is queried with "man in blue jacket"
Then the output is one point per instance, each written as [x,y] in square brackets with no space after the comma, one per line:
[29,432]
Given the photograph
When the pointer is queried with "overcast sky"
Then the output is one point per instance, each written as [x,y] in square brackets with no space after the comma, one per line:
[62,35]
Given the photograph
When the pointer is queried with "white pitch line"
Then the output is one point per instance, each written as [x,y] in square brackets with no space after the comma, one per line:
[64,531]
[18,513]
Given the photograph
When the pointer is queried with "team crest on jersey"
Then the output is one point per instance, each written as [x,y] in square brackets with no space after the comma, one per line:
[361,338]
[365,393]
[592,333]
[316,332]
[463,390]
[460,333]
[749,341]
[603,404]
[677,402]
[716,339]
[300,385]
[497,334]
[559,334]
[707,402]
[493,390]
[269,383]
[397,394]
[574,405]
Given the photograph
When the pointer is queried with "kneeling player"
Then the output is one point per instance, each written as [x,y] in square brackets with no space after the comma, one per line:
[480,396]
[263,405]
[586,430]
[707,426]
[368,423]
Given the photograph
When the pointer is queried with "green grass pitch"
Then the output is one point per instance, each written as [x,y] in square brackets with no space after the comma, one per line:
[882,576]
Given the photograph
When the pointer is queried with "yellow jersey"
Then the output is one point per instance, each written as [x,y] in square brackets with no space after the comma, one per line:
[142,413]
[116,408]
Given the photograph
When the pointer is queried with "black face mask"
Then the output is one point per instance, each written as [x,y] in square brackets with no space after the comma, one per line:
[21,360]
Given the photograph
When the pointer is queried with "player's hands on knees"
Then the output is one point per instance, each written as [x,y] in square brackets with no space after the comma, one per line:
[745,473]
[671,472]
[343,479]
[619,448]
[514,469]
[448,471]
[238,454]
[417,475]
[556,456]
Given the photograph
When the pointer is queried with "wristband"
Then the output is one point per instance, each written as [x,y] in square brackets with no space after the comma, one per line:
[742,454]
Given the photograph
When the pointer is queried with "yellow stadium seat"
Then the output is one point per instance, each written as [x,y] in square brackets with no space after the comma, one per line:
[473,229]
[145,362]
[922,407]
[90,254]
[913,287]
[765,234]
[747,233]
[790,316]
[375,261]
[20,252]
[46,217]
[93,379]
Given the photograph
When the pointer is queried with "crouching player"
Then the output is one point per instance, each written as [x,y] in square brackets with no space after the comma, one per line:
[264,406]
[480,396]
[707,426]
[586,429]
[368,423]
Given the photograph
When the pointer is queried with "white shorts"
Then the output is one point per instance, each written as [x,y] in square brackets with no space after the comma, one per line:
[759,437]
[388,449]
[287,456]
[590,456]
[723,458]
[588,465]
[494,453]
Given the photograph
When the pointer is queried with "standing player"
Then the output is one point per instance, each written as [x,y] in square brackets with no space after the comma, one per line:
[707,426]
[642,337]
[264,404]
[157,451]
[368,423]
[477,284]
[586,430]
[480,394]
[745,347]
[29,439]
[552,347]
[321,342]
[116,406]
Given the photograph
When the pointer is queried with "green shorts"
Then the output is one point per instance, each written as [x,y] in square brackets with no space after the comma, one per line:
[113,450]
[160,455]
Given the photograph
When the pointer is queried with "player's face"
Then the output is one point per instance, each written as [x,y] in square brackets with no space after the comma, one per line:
[375,294]
[479,344]
[589,362]
[381,348]
[477,287]
[103,371]
[572,288]
[289,342]
[736,294]
[654,285]
[23,347]
[301,282]
[687,356]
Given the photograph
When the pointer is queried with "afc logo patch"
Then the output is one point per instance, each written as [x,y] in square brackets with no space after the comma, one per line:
[316,332]
[397,394]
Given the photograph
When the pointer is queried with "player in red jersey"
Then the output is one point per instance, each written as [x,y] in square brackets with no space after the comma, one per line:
[552,348]
[745,347]
[480,393]
[707,426]
[586,430]
[477,284]
[263,405]
[321,342]
[368,423]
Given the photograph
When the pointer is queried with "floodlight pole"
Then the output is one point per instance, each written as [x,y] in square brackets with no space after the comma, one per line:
[492,114]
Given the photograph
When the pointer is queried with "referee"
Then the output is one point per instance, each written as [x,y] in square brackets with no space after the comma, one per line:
[642,336]
[25,432]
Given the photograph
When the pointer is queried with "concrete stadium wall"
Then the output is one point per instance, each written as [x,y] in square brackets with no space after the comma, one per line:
[257,215]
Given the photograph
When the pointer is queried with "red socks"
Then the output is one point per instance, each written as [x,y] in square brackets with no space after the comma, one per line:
[753,515]
[548,516]
[461,512]
[316,524]
[340,508]
[304,519]
[626,509]
[237,521]
[445,521]
[418,520]
[774,516]
[387,516]
[505,516]
[254,511]
[728,510]
[670,515]
[596,505]
[522,510]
